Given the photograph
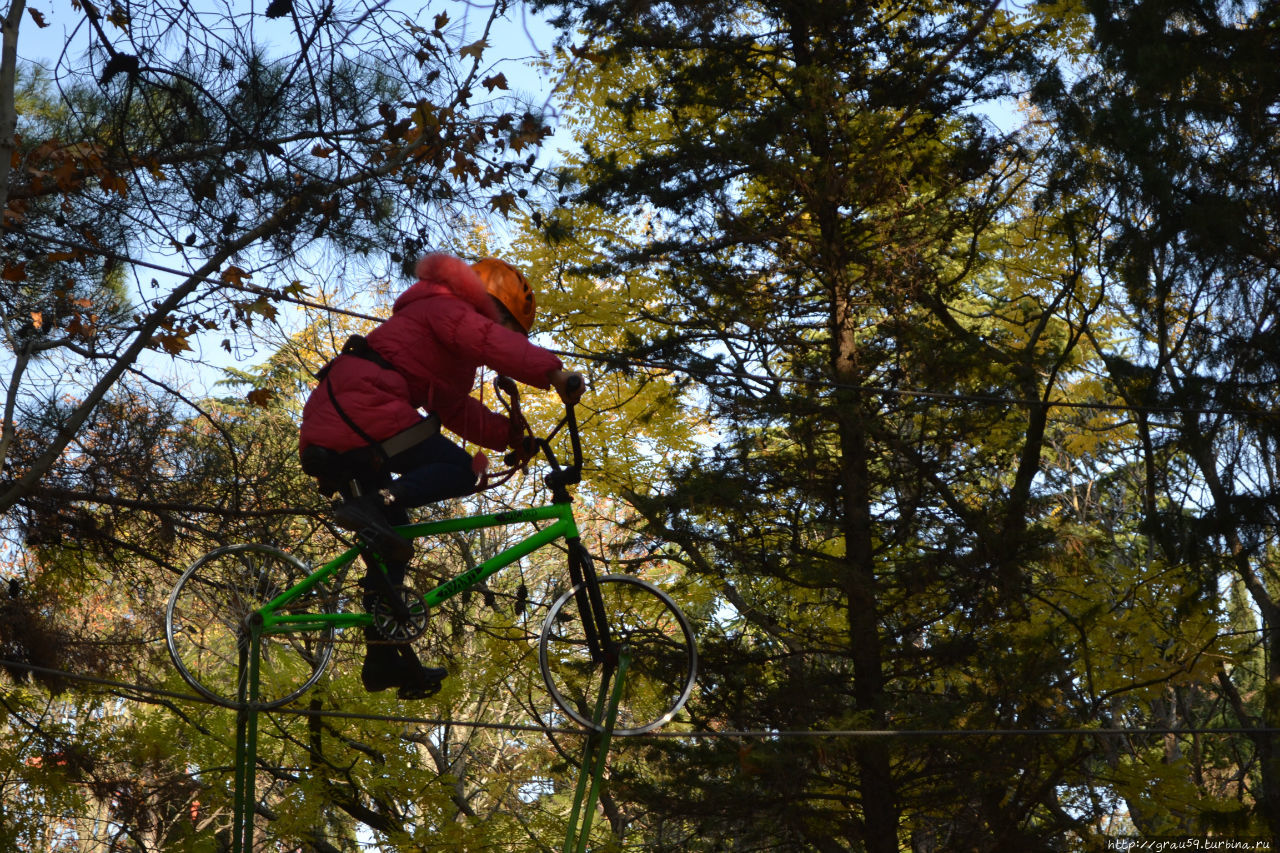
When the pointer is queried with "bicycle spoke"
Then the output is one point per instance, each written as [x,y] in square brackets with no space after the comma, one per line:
[655,634]
[207,626]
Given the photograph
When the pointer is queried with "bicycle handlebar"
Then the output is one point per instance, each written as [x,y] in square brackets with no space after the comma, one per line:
[560,476]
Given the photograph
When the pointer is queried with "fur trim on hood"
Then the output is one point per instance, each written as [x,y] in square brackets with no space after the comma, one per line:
[456,276]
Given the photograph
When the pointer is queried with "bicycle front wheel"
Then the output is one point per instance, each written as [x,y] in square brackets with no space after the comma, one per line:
[208,627]
[644,623]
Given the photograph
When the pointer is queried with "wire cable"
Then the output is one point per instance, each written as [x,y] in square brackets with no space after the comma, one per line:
[704,734]
[830,384]
[165,693]
[621,362]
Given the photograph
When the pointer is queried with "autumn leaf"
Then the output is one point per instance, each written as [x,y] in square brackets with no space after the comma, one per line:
[261,306]
[174,344]
[119,17]
[503,203]
[475,49]
[114,183]
[424,115]
[261,397]
[497,81]
[234,276]
[38,18]
[83,327]
[463,166]
[14,272]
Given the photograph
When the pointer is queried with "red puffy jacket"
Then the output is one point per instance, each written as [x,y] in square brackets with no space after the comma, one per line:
[441,330]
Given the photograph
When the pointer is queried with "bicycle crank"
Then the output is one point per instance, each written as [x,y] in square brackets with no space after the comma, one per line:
[400,618]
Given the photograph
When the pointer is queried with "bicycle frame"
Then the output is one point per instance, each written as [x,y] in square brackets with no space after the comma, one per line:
[267,619]
[611,653]
[563,526]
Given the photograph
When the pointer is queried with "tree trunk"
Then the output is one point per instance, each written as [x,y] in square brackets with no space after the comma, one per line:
[875,777]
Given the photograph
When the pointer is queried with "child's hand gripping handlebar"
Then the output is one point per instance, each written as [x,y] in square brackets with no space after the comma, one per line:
[521,439]
[525,445]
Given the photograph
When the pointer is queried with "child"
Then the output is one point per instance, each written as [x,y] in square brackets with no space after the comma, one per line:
[362,421]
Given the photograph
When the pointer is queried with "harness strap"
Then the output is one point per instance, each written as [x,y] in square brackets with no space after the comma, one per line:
[428,427]
[355,427]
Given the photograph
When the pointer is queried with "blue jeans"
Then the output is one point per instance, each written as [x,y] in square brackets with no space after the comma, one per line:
[430,471]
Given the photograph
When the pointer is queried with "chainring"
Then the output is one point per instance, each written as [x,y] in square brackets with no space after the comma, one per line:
[394,628]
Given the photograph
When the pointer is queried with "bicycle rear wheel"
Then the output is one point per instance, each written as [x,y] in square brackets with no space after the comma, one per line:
[648,625]
[207,627]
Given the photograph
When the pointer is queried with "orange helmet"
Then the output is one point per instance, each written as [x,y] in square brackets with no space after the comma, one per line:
[508,285]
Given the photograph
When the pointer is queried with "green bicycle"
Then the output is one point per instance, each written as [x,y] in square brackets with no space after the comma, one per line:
[252,626]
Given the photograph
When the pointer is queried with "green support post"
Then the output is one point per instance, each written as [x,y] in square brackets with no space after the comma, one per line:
[594,754]
[590,776]
[244,795]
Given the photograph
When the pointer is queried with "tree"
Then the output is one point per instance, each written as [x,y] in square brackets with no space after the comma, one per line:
[170,189]
[829,230]
[1177,103]
[227,174]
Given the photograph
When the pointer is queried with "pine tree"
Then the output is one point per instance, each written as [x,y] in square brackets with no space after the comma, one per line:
[1178,105]
[820,201]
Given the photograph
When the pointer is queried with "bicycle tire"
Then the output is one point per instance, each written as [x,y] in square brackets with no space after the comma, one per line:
[206,627]
[663,657]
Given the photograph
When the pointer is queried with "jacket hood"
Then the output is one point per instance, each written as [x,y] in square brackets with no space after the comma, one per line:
[439,271]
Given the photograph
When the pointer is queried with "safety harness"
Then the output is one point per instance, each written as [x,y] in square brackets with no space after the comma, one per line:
[332,468]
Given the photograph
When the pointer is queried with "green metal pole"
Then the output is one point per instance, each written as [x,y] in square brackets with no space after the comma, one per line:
[244,795]
[602,750]
[594,758]
[242,719]
[580,792]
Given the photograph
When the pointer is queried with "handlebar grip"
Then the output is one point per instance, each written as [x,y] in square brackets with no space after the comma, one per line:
[573,384]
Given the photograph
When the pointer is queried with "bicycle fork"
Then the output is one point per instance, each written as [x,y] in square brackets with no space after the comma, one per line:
[595,622]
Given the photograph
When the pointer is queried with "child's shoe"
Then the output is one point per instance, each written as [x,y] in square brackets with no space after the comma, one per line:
[397,666]
[364,516]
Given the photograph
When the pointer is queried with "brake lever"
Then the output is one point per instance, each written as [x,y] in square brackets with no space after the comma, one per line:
[560,476]
[508,393]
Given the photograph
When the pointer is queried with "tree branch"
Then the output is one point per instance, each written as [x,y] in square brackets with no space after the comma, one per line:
[8,100]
